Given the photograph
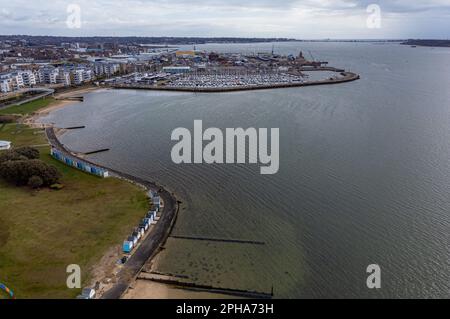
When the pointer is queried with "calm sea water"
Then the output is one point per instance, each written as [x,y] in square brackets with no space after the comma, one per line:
[364,174]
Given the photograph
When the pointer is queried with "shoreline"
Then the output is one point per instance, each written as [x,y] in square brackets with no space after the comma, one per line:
[153,243]
[59,103]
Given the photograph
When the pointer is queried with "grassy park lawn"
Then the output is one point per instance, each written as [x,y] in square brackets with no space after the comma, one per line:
[28,108]
[42,232]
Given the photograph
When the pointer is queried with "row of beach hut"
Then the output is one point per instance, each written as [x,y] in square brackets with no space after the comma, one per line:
[131,242]
[81,165]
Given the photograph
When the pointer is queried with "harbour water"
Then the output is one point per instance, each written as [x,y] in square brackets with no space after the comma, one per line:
[364,174]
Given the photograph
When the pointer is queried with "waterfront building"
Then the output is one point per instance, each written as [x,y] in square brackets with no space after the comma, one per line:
[49,75]
[17,81]
[176,69]
[28,78]
[87,75]
[64,78]
[78,76]
[106,69]
[4,86]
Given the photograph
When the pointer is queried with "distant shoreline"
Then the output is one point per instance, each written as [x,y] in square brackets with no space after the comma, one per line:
[428,43]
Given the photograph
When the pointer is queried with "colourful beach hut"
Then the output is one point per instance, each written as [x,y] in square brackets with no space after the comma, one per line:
[133,239]
[8,291]
[127,246]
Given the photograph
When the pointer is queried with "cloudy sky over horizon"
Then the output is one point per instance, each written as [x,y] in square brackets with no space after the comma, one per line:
[301,19]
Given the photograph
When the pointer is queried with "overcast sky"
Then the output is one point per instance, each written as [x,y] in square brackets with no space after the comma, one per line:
[301,19]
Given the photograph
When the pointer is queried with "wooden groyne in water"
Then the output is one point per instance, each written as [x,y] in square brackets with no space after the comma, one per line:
[74,127]
[97,151]
[235,241]
[168,280]
[71,98]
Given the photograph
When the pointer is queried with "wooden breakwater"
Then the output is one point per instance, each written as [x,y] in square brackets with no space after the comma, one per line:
[74,127]
[168,280]
[97,151]
[71,98]
[235,241]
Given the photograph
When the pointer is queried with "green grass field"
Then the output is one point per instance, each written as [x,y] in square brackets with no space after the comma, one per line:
[28,108]
[42,232]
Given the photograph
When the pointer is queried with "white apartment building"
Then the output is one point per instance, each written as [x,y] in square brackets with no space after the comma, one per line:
[87,75]
[17,81]
[78,76]
[49,75]
[4,86]
[81,76]
[106,69]
[64,78]
[28,78]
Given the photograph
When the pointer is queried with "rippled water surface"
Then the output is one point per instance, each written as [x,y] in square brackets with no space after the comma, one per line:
[364,174]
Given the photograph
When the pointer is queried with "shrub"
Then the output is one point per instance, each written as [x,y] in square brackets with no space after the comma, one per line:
[19,172]
[35,182]
[18,154]
[28,152]
[11,156]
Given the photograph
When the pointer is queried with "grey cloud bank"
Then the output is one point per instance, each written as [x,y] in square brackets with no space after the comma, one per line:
[264,18]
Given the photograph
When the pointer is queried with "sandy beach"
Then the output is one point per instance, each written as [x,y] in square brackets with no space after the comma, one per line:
[33,120]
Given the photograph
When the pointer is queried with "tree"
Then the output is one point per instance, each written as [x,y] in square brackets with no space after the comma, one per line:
[21,153]
[11,156]
[28,152]
[20,171]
